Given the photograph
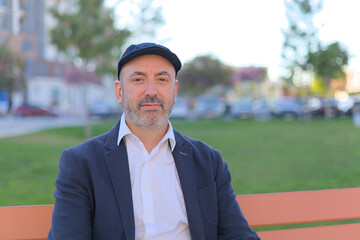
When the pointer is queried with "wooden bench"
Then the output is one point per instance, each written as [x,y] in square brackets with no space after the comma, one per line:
[274,209]
[277,209]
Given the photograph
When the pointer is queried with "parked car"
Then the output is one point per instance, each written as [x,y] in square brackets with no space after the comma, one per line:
[31,110]
[287,108]
[316,107]
[346,106]
[105,109]
[209,107]
[261,110]
[242,108]
[181,109]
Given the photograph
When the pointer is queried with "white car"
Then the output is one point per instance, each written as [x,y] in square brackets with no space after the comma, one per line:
[181,109]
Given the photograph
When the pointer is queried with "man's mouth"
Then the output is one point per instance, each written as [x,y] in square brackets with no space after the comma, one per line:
[151,103]
[151,106]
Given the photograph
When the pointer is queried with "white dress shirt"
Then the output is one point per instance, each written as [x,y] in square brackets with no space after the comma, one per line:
[158,201]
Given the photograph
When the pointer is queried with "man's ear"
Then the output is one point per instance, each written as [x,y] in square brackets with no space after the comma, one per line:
[175,90]
[118,94]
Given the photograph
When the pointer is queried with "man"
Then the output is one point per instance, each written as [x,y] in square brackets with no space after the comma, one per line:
[142,179]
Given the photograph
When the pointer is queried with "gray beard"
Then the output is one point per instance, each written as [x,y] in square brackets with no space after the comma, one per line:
[150,120]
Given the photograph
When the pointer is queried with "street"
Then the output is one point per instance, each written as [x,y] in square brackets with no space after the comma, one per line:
[12,126]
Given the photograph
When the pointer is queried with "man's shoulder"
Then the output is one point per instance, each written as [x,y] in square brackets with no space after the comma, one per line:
[89,146]
[105,140]
[193,143]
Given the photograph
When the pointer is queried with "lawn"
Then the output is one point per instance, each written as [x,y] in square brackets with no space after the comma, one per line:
[263,157]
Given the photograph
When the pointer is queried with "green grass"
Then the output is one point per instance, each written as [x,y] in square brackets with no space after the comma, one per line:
[263,157]
[280,156]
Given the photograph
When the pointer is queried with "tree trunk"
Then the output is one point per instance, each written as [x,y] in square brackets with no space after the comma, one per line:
[87,124]
[327,104]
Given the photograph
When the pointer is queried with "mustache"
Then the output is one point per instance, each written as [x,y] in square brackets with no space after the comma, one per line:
[151,100]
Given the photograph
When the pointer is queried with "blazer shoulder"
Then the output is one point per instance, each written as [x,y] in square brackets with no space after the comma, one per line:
[193,143]
[90,143]
[97,143]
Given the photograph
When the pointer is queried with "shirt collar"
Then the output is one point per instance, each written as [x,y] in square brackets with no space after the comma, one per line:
[124,130]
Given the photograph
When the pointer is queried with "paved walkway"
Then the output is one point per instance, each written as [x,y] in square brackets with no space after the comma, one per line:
[12,126]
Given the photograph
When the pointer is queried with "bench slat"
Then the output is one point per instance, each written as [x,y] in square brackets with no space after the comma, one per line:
[300,207]
[25,222]
[335,232]
[34,222]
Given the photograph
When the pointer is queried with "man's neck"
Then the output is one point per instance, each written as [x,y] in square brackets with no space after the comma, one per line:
[149,137]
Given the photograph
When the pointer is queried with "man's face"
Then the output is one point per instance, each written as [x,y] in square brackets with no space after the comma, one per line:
[147,91]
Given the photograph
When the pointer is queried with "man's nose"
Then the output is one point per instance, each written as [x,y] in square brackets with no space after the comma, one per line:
[151,89]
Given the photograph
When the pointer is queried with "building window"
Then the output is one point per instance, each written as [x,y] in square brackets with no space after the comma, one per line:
[29,68]
[3,14]
[27,46]
[43,69]
[58,70]
[2,21]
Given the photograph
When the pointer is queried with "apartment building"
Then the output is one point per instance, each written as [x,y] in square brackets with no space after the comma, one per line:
[24,27]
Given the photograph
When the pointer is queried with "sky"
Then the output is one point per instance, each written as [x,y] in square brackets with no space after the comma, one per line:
[248,32]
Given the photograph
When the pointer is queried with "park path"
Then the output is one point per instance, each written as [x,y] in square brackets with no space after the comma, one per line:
[13,126]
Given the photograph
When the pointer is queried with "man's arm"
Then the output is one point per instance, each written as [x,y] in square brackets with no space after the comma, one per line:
[71,217]
[232,223]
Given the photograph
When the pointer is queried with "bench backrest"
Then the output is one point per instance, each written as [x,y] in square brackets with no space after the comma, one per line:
[34,222]
[25,222]
[304,207]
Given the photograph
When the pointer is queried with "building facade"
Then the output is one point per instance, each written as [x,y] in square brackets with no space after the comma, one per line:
[25,27]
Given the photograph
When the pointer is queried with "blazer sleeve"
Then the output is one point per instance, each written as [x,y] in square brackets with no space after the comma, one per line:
[232,223]
[71,217]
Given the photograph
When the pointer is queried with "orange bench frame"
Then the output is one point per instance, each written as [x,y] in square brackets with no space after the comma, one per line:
[273,209]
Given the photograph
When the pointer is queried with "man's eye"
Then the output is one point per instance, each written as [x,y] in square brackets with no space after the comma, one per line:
[137,79]
[163,79]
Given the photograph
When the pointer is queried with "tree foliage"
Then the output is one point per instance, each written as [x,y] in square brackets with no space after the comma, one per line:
[144,21]
[301,36]
[11,70]
[147,20]
[328,63]
[88,33]
[203,72]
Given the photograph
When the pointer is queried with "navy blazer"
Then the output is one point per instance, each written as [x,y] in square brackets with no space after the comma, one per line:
[93,197]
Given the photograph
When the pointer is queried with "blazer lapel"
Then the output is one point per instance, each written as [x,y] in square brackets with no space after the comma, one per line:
[118,166]
[185,168]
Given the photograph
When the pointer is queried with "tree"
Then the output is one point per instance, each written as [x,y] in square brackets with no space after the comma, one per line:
[328,64]
[88,33]
[145,18]
[203,72]
[11,71]
[301,36]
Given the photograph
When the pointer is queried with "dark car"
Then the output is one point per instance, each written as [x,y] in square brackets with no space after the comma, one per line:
[316,107]
[31,110]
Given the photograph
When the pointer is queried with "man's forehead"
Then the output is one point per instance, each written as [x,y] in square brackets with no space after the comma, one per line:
[153,63]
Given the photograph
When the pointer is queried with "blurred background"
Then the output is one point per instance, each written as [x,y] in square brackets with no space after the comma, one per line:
[276,82]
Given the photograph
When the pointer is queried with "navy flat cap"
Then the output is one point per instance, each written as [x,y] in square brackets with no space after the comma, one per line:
[137,50]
